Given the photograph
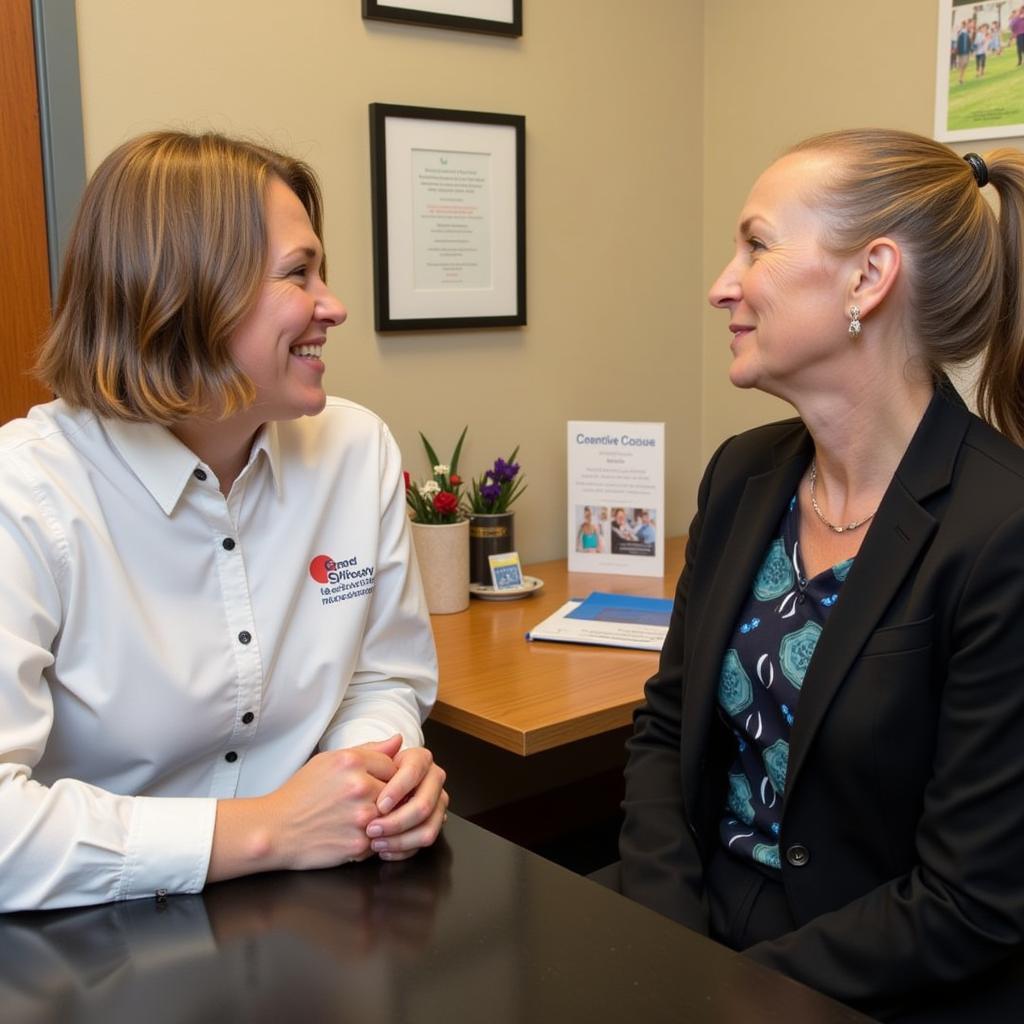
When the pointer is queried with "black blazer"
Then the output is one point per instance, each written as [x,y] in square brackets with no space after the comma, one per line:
[902,838]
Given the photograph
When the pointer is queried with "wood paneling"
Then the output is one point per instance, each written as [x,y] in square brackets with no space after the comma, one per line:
[527,697]
[24,276]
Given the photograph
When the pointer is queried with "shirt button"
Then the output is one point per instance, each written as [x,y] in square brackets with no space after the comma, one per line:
[247,717]
[230,757]
[798,855]
[199,474]
[228,544]
[800,598]
[244,637]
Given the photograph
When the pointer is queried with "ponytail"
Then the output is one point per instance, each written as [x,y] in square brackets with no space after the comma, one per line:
[1001,382]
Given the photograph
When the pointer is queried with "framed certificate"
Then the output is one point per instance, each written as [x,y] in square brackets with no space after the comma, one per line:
[449,218]
[497,17]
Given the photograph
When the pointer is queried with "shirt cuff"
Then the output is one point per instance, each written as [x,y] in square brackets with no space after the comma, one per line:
[169,846]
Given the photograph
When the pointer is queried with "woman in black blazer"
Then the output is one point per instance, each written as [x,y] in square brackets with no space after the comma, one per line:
[828,770]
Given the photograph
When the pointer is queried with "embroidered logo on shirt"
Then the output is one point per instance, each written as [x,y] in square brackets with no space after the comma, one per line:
[341,579]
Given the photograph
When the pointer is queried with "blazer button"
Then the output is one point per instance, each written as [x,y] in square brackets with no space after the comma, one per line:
[798,855]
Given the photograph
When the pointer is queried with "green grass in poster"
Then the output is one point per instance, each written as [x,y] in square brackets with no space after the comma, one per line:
[997,98]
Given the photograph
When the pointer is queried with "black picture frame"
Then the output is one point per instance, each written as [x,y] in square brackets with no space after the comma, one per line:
[480,281]
[375,10]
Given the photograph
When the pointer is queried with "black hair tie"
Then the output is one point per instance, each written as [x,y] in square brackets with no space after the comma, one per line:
[978,167]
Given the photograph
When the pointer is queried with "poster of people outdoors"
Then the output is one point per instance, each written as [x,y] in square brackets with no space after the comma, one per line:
[979,90]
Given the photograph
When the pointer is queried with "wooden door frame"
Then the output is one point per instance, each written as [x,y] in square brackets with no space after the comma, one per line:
[42,175]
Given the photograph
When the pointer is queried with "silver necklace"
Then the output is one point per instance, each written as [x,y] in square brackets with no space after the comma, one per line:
[821,515]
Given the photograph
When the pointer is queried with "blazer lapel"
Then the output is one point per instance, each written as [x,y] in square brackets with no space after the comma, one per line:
[901,530]
[756,517]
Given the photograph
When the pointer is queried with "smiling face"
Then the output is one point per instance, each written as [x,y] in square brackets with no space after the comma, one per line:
[278,344]
[786,295]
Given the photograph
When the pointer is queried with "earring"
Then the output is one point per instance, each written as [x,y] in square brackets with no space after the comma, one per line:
[854,321]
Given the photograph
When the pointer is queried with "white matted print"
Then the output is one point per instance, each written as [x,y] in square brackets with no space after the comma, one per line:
[495,17]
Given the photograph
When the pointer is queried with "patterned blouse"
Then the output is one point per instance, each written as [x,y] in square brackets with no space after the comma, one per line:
[759,688]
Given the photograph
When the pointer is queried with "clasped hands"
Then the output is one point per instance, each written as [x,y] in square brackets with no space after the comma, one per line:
[346,805]
[340,806]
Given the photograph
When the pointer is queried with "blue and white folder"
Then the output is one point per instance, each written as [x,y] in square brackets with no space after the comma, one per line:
[609,620]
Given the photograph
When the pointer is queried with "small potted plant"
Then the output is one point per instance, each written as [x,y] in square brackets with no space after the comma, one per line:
[440,531]
[491,524]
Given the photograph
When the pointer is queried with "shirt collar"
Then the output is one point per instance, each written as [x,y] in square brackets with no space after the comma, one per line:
[164,465]
[268,441]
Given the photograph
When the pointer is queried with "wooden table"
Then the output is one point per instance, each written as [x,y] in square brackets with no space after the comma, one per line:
[527,697]
[475,929]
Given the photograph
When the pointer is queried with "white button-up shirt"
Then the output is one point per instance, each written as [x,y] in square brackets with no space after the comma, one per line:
[162,646]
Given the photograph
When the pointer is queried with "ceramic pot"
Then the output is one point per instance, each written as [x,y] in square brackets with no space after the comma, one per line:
[489,535]
[442,552]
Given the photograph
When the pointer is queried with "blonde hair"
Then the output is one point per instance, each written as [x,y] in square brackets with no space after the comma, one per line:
[964,267]
[166,256]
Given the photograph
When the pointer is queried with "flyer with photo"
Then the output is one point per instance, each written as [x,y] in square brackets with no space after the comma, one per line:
[616,497]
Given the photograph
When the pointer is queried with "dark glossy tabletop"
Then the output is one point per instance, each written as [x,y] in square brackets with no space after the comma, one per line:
[476,929]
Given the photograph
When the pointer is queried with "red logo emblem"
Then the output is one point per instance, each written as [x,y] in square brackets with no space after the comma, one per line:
[320,567]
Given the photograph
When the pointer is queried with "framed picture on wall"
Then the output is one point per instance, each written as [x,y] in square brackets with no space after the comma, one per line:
[497,17]
[449,218]
[978,92]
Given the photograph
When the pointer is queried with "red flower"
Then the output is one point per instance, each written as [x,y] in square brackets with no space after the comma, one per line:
[455,479]
[408,482]
[445,503]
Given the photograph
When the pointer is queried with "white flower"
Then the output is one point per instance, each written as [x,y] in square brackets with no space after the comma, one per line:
[429,489]
[441,470]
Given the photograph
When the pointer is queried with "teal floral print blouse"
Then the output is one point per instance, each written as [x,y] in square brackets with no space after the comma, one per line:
[759,688]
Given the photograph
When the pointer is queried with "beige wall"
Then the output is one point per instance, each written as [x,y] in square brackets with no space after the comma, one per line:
[613,105]
[641,147]
[777,73]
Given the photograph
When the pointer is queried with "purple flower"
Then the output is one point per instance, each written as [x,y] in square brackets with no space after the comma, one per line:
[490,492]
[503,471]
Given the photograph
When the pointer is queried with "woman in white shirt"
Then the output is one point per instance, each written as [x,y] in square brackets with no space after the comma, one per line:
[207,573]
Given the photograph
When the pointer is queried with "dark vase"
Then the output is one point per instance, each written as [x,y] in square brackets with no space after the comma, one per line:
[489,535]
